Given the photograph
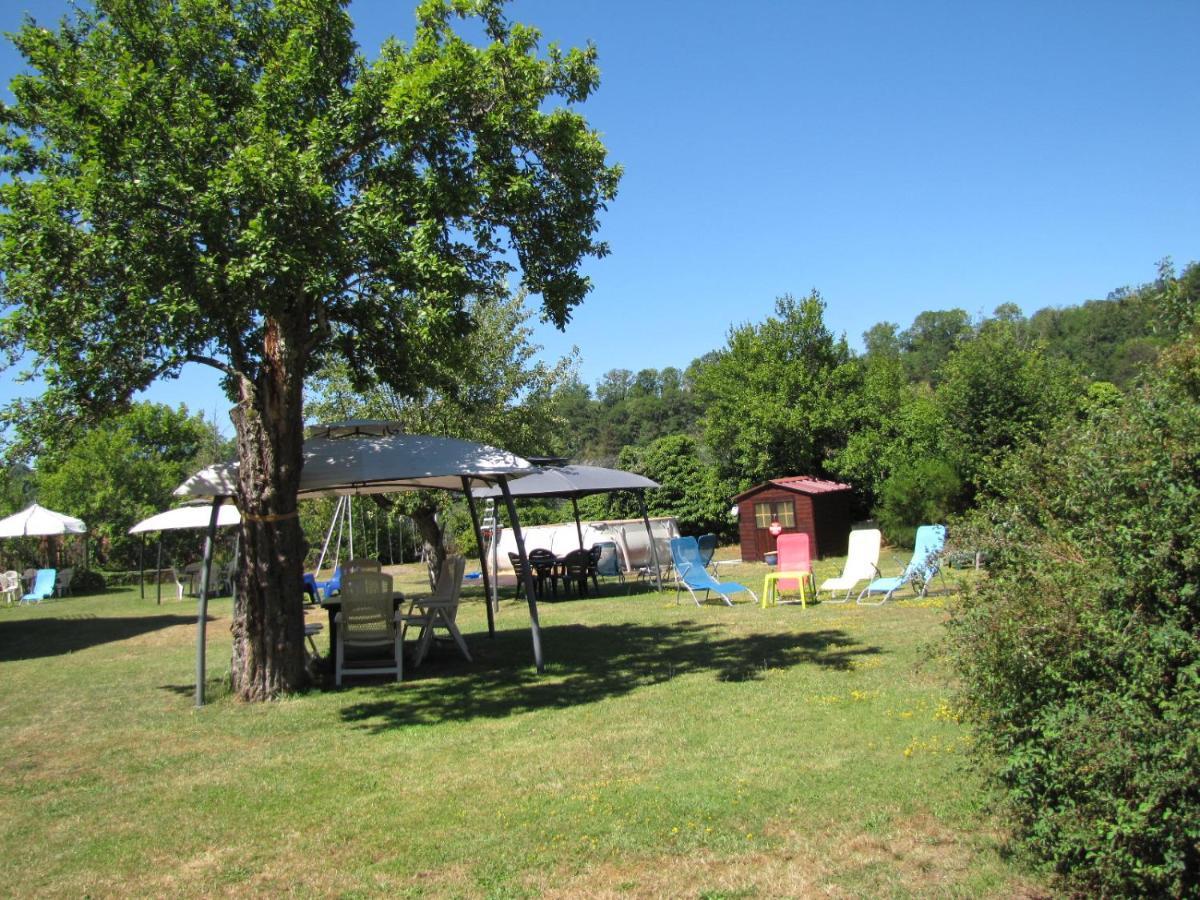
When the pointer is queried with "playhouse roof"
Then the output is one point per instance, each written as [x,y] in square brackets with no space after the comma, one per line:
[800,484]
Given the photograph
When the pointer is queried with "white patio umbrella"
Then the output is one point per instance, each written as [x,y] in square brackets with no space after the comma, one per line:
[193,515]
[36,520]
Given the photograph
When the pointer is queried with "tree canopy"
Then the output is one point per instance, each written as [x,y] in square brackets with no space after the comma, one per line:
[229,182]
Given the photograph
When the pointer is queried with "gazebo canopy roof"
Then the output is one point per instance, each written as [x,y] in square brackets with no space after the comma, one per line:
[571,481]
[37,520]
[373,459]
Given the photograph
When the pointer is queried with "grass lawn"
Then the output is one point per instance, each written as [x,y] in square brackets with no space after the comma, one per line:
[669,750]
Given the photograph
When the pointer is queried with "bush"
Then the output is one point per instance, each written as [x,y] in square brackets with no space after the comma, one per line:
[87,581]
[921,492]
[1080,654]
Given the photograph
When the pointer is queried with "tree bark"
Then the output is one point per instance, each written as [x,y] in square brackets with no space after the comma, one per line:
[268,615]
[425,518]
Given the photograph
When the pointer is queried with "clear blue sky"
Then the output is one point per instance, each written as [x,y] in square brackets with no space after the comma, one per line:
[896,156]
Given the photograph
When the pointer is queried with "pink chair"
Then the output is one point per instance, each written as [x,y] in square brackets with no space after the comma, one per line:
[793,569]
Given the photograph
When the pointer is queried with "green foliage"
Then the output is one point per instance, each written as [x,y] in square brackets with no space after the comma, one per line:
[123,470]
[771,397]
[925,491]
[1080,654]
[888,424]
[691,490]
[998,394]
[87,581]
[223,182]
[933,336]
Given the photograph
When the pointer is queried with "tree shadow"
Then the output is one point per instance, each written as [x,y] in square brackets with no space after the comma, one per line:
[588,664]
[38,638]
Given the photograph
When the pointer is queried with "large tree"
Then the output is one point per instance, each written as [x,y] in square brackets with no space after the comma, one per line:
[771,396]
[229,182]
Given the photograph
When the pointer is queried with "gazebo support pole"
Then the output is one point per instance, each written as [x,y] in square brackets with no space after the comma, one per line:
[142,564]
[202,618]
[487,592]
[158,571]
[578,527]
[653,546]
[535,629]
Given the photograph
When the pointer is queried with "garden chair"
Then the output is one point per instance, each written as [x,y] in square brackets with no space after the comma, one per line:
[361,565]
[862,564]
[62,581]
[691,574]
[708,546]
[608,561]
[931,540]
[593,561]
[178,582]
[576,567]
[545,570]
[368,628]
[793,569]
[10,584]
[439,610]
[43,586]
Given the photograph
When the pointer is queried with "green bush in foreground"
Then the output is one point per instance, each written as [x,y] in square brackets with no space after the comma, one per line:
[1080,654]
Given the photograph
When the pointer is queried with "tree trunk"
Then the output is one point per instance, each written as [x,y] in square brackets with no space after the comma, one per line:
[268,615]
[425,518]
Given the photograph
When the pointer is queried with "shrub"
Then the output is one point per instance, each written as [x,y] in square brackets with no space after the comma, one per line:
[87,581]
[921,492]
[1080,654]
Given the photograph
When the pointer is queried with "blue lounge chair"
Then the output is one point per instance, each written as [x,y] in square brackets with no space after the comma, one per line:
[691,574]
[43,586]
[925,563]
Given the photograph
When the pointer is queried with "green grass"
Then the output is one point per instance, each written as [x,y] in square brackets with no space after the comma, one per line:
[669,750]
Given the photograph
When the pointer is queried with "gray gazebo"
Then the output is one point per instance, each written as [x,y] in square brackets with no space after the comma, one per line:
[573,482]
[374,457]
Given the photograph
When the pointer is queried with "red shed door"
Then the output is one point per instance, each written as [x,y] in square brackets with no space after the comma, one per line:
[764,514]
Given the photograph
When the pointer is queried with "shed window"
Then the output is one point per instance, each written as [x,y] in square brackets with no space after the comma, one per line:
[784,510]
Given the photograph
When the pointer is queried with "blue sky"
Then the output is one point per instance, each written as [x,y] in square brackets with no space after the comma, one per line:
[895,156]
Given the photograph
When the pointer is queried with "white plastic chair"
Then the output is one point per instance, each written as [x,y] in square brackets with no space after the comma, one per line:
[10,584]
[439,610]
[367,626]
[862,564]
[62,582]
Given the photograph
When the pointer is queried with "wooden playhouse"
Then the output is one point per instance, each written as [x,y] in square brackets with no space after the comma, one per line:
[815,506]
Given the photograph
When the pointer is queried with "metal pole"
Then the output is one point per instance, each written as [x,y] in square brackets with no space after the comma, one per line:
[202,617]
[653,546]
[535,628]
[466,483]
[142,565]
[578,527]
[158,570]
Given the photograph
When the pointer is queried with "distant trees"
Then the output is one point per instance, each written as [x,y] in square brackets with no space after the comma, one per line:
[125,469]
[771,396]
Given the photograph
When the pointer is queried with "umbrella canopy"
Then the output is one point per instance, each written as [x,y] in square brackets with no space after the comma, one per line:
[572,481]
[37,520]
[193,516]
[377,464]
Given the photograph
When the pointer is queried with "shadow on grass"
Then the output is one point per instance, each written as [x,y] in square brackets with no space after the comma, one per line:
[587,664]
[37,638]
